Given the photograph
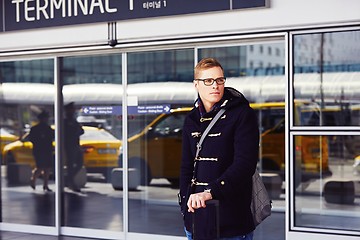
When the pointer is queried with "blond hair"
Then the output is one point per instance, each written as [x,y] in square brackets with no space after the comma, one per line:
[206,63]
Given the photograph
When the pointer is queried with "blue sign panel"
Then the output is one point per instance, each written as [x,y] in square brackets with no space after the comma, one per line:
[27,14]
[239,4]
[117,110]
[101,110]
[150,109]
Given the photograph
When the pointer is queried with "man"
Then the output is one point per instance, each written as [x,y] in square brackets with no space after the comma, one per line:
[74,155]
[226,161]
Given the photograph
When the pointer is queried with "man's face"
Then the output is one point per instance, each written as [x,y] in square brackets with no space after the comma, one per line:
[213,93]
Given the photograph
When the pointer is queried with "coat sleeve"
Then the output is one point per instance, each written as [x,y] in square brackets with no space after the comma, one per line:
[187,167]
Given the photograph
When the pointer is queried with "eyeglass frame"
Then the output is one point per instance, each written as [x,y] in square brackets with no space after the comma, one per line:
[212,80]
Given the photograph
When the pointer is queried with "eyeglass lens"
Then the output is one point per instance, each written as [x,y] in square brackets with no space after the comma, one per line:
[210,81]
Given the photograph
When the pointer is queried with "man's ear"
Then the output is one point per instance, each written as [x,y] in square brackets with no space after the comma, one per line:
[195,84]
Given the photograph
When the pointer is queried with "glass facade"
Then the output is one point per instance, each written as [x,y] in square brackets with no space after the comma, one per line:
[326,77]
[92,127]
[315,137]
[327,202]
[325,131]
[159,81]
[27,92]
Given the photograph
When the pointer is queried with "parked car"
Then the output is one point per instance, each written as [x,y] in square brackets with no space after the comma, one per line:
[5,138]
[156,150]
[100,148]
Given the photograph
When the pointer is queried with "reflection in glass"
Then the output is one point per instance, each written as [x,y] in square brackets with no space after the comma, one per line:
[92,69]
[92,94]
[161,66]
[327,201]
[27,97]
[326,82]
[34,71]
[249,60]
[258,74]
[327,76]
[161,81]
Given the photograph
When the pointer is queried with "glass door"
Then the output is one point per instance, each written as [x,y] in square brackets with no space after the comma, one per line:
[258,71]
[325,133]
[160,90]
[27,142]
[92,133]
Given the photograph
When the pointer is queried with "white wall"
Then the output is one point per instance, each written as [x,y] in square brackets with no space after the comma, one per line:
[76,35]
[281,15]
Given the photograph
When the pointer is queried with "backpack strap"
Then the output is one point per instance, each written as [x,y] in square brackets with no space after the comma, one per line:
[198,145]
[205,133]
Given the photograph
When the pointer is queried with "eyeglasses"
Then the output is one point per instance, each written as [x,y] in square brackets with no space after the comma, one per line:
[210,81]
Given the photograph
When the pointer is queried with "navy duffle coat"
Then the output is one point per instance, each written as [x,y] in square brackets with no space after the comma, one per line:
[227,162]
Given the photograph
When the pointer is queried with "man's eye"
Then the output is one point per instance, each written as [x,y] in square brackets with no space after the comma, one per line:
[208,80]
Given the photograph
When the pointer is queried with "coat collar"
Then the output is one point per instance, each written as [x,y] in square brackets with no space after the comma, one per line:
[231,98]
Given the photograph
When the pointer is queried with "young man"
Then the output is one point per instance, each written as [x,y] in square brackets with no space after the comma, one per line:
[226,161]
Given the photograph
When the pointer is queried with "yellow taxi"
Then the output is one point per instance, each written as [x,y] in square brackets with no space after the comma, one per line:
[100,148]
[156,150]
[5,138]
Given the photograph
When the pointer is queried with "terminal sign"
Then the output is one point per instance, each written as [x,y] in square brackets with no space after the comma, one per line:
[27,14]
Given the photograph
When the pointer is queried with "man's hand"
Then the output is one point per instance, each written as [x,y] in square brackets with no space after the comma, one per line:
[197,200]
